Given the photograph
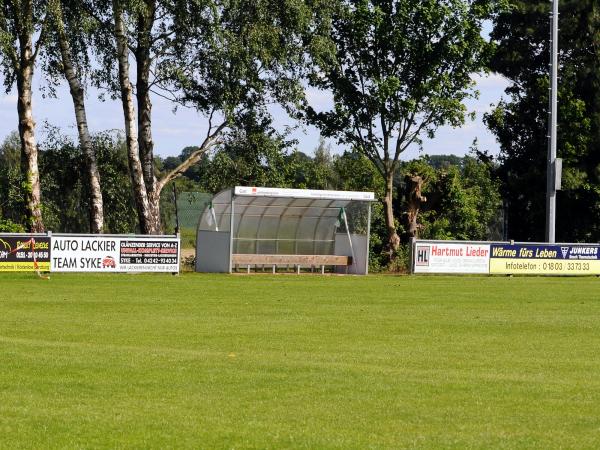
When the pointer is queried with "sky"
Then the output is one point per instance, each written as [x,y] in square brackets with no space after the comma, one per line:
[174,130]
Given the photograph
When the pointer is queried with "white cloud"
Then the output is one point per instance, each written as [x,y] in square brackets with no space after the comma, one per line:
[493,81]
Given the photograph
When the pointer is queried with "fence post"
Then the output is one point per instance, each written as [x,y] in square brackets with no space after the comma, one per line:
[411,255]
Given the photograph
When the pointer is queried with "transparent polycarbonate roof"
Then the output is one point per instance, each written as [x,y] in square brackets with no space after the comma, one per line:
[284,225]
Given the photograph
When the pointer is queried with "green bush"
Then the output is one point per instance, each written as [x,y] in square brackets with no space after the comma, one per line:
[8,226]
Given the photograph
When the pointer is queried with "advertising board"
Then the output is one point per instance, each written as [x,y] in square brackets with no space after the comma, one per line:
[149,255]
[24,253]
[439,257]
[302,193]
[72,253]
[542,259]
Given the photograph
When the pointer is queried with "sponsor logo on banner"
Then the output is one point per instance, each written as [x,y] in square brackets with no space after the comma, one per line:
[24,254]
[422,255]
[535,259]
[109,262]
[451,258]
[114,254]
[581,252]
[149,255]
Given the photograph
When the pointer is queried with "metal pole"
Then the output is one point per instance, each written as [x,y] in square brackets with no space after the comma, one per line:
[368,240]
[176,209]
[231,223]
[552,124]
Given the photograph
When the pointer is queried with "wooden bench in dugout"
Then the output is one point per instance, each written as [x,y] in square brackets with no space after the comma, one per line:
[299,261]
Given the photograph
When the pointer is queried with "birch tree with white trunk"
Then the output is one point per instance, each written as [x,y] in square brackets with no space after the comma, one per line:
[221,57]
[67,56]
[21,21]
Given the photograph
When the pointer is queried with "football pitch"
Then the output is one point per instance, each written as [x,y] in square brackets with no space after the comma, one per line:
[205,361]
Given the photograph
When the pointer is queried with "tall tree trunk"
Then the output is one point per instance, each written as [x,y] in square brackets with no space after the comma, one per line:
[77,95]
[146,144]
[388,201]
[154,201]
[414,199]
[143,61]
[145,216]
[29,150]
[140,144]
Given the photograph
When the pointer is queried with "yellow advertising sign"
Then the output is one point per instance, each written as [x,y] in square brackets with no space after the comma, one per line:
[544,259]
[24,253]
[543,267]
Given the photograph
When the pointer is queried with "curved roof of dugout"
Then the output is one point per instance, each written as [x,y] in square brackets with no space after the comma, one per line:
[279,214]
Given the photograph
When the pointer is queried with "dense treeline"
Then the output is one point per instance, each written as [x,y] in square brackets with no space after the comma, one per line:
[460,197]
[395,71]
[66,206]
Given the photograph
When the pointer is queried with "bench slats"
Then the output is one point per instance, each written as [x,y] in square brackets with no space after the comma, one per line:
[304,260]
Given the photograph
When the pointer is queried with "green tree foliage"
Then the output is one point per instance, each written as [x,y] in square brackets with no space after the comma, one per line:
[253,155]
[396,71]
[60,169]
[520,122]
[12,200]
[324,169]
[8,226]
[66,196]
[81,30]
[232,57]
[444,161]
[226,58]
[463,200]
[111,151]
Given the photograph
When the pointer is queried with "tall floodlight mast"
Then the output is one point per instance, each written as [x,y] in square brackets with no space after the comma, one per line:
[554,166]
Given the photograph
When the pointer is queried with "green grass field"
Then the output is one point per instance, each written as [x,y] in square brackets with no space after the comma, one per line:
[200,361]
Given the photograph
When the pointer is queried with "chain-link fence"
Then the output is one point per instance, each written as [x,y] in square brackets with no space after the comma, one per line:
[189,208]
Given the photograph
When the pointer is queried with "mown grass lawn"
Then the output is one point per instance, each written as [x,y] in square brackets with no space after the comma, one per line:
[201,361]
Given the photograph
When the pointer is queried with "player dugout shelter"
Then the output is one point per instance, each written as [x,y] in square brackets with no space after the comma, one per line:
[258,227]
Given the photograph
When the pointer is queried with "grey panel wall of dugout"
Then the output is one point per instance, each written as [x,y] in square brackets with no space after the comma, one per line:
[212,251]
[360,245]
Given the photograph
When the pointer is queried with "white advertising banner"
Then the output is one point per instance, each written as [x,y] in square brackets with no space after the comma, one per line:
[437,257]
[303,193]
[72,253]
